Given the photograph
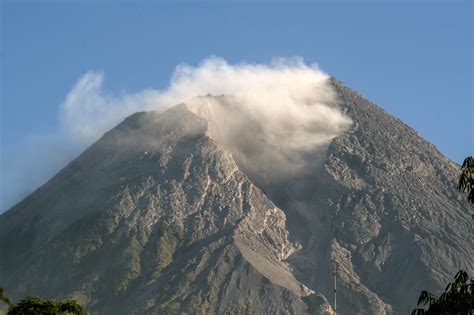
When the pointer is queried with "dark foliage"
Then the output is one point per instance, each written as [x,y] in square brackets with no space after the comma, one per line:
[457,299]
[466,179]
[37,306]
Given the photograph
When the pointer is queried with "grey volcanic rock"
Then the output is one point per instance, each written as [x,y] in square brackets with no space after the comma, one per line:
[153,218]
[396,209]
[161,216]
[383,206]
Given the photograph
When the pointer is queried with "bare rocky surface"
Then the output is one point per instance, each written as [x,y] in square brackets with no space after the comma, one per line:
[384,207]
[160,217]
[153,218]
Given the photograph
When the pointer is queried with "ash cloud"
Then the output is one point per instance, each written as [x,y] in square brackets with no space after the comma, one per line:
[271,117]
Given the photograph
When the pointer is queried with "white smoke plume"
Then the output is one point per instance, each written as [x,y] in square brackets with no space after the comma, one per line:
[277,113]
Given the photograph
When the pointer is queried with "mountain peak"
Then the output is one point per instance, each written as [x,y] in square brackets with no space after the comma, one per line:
[220,206]
[162,202]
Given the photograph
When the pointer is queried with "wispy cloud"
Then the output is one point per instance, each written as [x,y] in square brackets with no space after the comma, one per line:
[287,100]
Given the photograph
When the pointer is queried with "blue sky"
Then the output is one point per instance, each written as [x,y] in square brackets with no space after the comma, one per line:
[412,58]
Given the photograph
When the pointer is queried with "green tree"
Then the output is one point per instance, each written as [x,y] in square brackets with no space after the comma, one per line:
[457,299]
[37,306]
[466,179]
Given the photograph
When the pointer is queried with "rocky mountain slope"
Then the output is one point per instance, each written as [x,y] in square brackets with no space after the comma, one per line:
[154,218]
[163,216]
[383,206]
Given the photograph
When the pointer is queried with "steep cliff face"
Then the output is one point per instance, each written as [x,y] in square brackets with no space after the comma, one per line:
[166,214]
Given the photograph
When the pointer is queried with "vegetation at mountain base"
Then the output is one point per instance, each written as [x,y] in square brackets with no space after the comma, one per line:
[458,298]
[466,178]
[37,306]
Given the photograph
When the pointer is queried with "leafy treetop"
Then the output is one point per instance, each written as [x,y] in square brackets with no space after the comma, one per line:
[466,178]
[458,298]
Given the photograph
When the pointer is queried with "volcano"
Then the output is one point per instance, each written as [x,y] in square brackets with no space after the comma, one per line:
[166,215]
